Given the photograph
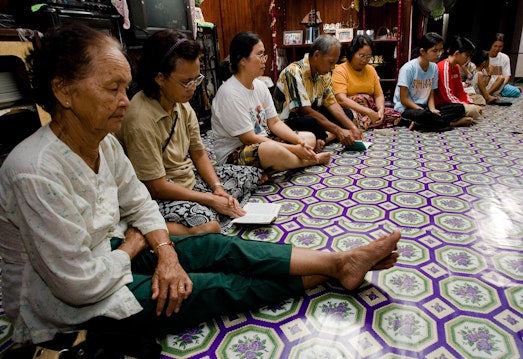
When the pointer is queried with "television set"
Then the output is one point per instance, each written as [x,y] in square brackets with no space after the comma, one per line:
[150,16]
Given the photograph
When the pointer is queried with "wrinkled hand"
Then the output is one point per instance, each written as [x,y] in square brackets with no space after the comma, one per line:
[356,134]
[170,283]
[228,205]
[346,137]
[134,242]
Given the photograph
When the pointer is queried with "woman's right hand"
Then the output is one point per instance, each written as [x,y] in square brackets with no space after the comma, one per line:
[222,205]
[304,152]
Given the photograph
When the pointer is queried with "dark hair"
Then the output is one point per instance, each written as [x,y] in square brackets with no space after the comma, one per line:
[460,44]
[429,40]
[160,53]
[66,51]
[358,42]
[479,57]
[241,47]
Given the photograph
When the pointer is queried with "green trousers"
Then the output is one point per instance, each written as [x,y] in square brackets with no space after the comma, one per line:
[229,275]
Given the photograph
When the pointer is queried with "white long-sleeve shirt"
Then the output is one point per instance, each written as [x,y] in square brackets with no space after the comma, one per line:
[56,219]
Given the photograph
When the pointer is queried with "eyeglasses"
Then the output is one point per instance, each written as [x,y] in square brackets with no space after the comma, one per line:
[364,57]
[263,57]
[189,84]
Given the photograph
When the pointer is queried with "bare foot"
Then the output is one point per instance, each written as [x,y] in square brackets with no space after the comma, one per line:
[330,137]
[411,126]
[324,158]
[462,122]
[264,178]
[491,99]
[178,229]
[376,255]
[319,146]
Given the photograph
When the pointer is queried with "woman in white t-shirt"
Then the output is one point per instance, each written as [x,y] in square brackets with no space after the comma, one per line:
[245,123]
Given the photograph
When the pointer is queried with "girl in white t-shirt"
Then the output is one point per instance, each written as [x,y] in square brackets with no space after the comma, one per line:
[246,126]
[414,94]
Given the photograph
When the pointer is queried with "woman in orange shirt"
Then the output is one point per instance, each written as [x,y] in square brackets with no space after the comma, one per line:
[356,85]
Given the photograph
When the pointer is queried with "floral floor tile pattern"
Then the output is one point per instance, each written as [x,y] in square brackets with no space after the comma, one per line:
[457,291]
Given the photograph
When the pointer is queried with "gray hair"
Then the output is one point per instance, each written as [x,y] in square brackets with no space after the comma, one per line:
[324,43]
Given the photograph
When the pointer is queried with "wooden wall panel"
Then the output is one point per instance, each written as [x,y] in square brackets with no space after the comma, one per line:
[233,16]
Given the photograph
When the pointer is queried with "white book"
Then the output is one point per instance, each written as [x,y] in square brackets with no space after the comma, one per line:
[259,213]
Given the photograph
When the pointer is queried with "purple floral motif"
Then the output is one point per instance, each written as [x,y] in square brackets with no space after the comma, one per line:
[516,265]
[370,196]
[462,259]
[326,209]
[307,239]
[338,181]
[410,217]
[331,194]
[366,212]
[337,311]
[189,336]
[262,233]
[406,251]
[278,307]
[373,183]
[438,307]
[405,283]
[287,207]
[306,179]
[469,293]
[450,203]
[352,243]
[297,191]
[409,199]
[404,325]
[250,347]
[445,188]
[365,343]
[295,329]
[372,296]
[479,339]
[455,222]
[511,320]
[408,185]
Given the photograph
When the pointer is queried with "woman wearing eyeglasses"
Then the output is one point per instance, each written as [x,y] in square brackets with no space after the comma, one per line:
[161,137]
[245,123]
[356,86]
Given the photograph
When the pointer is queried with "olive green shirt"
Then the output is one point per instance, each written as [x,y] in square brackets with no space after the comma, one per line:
[145,130]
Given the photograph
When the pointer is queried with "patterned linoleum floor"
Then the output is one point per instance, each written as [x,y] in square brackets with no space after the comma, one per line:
[457,291]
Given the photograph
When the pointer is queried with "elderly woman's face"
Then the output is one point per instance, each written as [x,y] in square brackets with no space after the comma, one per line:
[100,100]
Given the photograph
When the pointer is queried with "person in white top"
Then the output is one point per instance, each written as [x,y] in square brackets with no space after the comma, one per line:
[246,126]
[499,71]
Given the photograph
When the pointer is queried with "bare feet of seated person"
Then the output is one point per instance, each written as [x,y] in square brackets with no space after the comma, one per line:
[377,255]
[178,229]
[462,122]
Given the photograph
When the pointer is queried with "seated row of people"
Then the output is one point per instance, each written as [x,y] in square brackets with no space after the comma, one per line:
[83,244]
[264,134]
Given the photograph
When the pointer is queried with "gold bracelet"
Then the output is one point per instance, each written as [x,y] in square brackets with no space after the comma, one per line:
[170,243]
[217,184]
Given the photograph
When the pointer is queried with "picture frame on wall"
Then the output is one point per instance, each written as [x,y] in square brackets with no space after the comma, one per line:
[344,35]
[294,37]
